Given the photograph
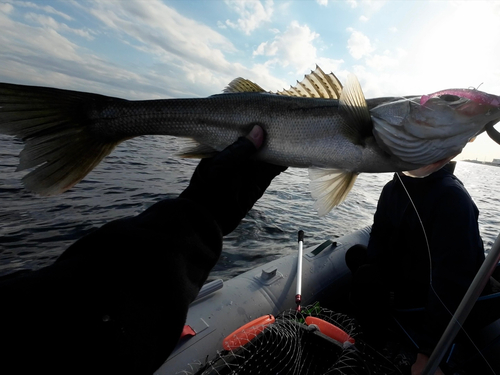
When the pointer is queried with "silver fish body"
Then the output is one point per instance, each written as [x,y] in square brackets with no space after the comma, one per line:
[333,131]
[300,132]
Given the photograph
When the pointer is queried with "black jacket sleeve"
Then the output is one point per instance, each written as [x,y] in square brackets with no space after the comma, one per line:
[117,299]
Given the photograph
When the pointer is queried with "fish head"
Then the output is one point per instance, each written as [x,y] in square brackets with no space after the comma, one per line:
[424,130]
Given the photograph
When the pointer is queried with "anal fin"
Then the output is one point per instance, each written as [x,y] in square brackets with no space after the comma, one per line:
[329,187]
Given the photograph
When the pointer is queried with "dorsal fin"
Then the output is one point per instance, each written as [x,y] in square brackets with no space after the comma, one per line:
[352,103]
[242,85]
[317,84]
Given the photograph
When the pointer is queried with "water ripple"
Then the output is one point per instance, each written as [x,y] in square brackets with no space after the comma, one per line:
[35,230]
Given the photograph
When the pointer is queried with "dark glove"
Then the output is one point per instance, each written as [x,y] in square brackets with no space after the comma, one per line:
[230,183]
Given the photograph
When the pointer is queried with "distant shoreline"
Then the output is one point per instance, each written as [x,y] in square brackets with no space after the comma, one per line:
[495,164]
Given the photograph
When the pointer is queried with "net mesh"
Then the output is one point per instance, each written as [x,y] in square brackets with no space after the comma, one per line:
[289,346]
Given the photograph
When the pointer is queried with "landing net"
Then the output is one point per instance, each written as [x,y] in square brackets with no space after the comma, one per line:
[289,346]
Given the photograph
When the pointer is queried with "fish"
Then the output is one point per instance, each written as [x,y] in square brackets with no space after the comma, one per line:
[318,124]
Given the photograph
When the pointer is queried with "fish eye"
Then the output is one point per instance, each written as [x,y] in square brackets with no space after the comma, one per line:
[449,98]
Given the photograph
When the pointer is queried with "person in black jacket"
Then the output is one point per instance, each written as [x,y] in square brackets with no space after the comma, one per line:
[427,259]
[115,301]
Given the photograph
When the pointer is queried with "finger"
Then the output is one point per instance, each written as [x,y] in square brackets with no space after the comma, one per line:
[243,148]
[256,136]
[240,150]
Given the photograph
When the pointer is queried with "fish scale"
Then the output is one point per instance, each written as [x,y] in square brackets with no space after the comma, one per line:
[319,124]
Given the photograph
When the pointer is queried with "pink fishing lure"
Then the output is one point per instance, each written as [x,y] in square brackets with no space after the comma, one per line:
[472,94]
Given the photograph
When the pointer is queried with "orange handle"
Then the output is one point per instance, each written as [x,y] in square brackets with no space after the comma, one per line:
[330,330]
[247,333]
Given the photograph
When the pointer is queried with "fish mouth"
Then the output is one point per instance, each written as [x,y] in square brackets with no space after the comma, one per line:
[470,108]
[492,132]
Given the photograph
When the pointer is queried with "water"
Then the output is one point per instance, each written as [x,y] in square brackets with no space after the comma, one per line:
[36,230]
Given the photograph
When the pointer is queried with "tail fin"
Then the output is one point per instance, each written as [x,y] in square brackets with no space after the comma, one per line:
[54,124]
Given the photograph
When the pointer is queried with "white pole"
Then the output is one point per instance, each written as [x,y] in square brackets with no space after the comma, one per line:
[463,310]
[298,296]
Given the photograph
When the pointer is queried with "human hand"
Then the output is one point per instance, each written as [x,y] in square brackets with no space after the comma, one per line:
[420,363]
[229,184]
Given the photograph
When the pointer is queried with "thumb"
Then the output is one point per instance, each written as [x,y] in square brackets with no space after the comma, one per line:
[242,149]
[256,136]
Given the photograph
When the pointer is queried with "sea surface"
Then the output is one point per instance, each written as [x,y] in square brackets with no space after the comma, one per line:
[35,230]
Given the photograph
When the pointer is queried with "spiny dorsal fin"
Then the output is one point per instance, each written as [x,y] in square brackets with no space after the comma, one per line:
[353,104]
[317,84]
[329,187]
[242,85]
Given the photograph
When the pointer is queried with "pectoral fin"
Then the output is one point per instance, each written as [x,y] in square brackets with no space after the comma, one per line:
[195,150]
[329,187]
[352,104]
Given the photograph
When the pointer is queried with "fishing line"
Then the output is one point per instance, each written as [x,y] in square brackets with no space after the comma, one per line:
[430,276]
[425,236]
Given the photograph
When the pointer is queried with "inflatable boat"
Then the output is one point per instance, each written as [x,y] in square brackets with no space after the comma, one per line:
[259,298]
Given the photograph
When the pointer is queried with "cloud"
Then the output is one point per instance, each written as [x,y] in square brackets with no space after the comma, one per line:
[162,29]
[157,52]
[45,8]
[35,54]
[252,14]
[322,2]
[172,39]
[359,45]
[293,48]
[35,50]
[368,6]
[381,62]
[6,8]
[363,18]
[352,3]
[49,22]
[446,65]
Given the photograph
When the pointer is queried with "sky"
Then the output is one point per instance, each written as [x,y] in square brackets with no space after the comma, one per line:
[151,49]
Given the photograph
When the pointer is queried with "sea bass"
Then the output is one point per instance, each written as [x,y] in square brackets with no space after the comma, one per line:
[318,124]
